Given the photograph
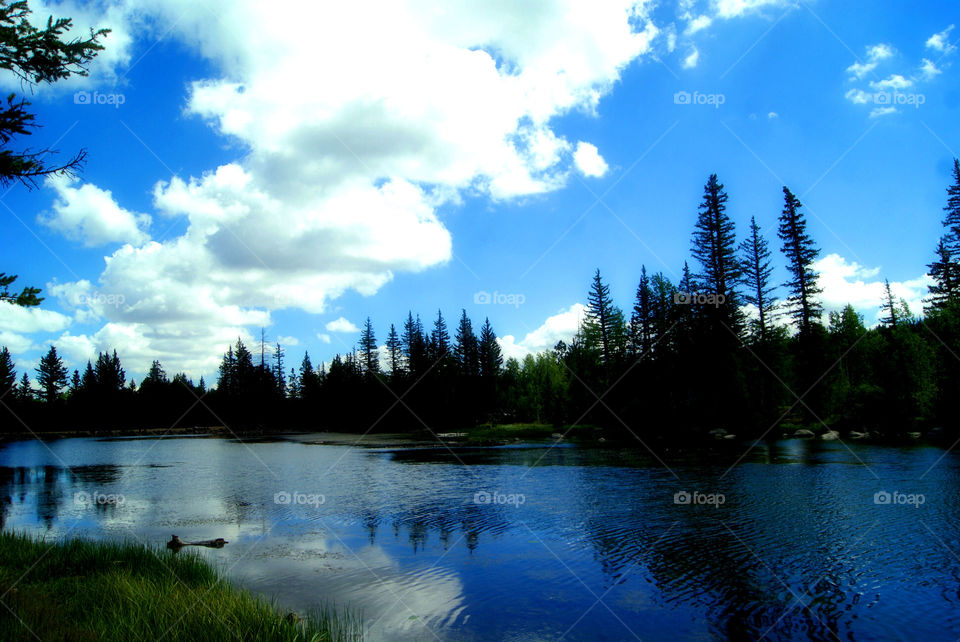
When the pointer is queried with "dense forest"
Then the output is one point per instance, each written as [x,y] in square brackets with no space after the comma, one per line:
[719,349]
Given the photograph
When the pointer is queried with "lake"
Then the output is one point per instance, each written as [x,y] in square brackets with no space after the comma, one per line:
[792,540]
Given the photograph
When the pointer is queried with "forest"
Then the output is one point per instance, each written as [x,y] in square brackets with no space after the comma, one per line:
[720,349]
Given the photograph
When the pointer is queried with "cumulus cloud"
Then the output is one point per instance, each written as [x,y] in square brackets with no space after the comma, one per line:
[588,160]
[846,282]
[324,338]
[560,326]
[929,69]
[344,166]
[887,91]
[91,215]
[341,325]
[288,341]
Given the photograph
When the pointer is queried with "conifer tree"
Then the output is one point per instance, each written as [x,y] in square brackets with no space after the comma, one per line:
[757,269]
[51,375]
[803,303]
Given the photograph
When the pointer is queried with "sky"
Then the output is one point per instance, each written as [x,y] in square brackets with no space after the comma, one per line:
[304,168]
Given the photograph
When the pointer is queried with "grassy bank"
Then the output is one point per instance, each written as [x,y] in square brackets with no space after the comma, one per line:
[81,590]
[488,432]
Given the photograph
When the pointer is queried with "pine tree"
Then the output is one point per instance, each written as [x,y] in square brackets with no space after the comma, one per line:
[8,373]
[155,375]
[414,345]
[439,339]
[946,276]
[641,321]
[491,358]
[802,304]
[756,268]
[109,373]
[395,352]
[75,383]
[51,375]
[24,392]
[603,325]
[714,246]
[309,382]
[369,353]
[951,220]
[293,388]
[466,349]
[889,306]
[278,371]
[226,382]
[89,380]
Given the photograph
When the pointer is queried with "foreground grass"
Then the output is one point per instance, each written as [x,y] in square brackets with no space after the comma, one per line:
[82,590]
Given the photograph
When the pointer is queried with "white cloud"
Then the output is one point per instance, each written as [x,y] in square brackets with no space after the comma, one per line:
[698,24]
[692,58]
[341,325]
[929,69]
[773,115]
[875,55]
[288,341]
[737,8]
[325,338]
[561,326]
[27,320]
[941,41]
[91,215]
[894,82]
[589,161]
[877,112]
[425,103]
[846,282]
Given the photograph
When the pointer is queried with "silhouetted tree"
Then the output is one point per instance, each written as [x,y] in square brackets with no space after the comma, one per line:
[802,304]
[51,375]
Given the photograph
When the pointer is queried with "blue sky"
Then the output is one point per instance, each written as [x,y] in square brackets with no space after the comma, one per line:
[304,169]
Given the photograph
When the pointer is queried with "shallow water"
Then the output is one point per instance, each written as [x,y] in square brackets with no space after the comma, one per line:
[574,542]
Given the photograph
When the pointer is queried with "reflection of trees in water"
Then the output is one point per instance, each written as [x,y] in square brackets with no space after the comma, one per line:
[54,487]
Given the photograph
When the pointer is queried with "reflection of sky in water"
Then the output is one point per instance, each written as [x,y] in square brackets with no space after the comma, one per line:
[597,550]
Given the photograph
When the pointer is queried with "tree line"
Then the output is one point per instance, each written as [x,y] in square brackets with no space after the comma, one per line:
[717,349]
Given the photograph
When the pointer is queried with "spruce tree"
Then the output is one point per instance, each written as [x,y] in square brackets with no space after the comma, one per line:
[641,321]
[8,373]
[946,276]
[756,268]
[51,375]
[369,353]
[803,303]
[395,352]
[603,325]
[714,246]
[491,358]
[466,347]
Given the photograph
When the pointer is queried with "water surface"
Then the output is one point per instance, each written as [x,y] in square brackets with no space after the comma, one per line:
[574,542]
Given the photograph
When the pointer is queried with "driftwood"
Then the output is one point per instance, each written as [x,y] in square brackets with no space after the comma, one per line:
[176,543]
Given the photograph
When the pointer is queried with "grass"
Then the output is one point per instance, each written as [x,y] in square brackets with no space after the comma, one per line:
[486,432]
[83,590]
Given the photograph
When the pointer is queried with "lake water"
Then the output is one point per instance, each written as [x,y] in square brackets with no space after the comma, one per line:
[535,542]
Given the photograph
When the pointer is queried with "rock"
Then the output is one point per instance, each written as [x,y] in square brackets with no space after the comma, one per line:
[913,435]
[830,435]
[803,433]
[602,440]
[557,436]
[728,437]
[857,436]
[718,433]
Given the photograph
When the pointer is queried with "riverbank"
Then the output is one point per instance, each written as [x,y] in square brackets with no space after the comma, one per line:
[83,590]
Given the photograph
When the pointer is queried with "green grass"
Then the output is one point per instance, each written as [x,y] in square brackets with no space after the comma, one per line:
[83,590]
[485,432]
